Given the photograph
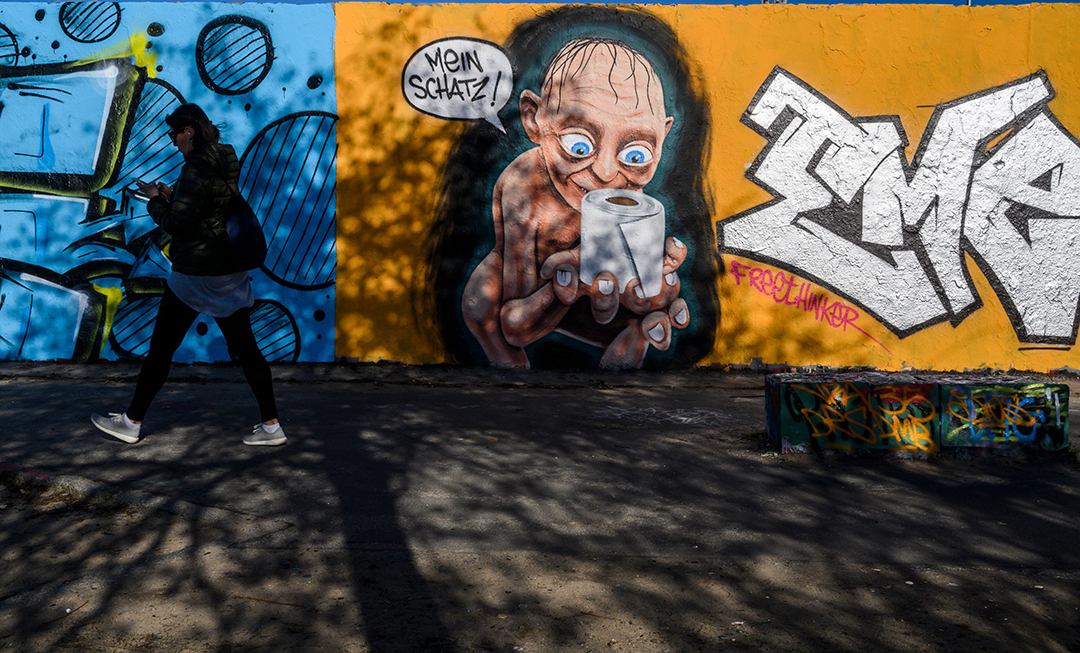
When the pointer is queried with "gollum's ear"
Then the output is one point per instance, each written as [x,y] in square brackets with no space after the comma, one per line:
[530,105]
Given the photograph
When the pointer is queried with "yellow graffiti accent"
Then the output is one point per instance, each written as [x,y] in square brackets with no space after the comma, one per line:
[112,303]
[903,420]
[837,416]
[907,417]
[137,48]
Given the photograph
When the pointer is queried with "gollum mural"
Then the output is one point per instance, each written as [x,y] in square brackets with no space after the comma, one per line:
[581,236]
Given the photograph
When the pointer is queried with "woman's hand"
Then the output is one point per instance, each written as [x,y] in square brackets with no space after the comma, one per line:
[149,190]
[153,190]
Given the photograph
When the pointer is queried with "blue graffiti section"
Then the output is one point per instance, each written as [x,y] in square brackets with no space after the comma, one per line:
[27,301]
[1031,415]
[43,228]
[84,90]
[40,108]
[60,126]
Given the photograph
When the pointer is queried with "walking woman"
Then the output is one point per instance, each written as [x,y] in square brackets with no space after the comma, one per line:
[204,279]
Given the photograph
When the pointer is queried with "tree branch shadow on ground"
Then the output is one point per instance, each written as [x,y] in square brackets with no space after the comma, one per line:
[466,520]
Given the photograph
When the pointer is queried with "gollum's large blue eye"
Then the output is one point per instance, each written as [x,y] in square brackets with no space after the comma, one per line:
[577,145]
[635,155]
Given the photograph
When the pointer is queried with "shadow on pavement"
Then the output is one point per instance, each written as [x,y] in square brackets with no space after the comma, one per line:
[417,518]
[308,553]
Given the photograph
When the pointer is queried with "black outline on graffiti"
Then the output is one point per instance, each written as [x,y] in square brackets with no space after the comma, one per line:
[200,52]
[912,242]
[494,90]
[94,20]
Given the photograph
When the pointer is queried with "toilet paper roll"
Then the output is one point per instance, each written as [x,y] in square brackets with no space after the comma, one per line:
[622,232]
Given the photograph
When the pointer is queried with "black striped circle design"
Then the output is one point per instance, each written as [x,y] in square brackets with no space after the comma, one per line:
[234,54]
[89,22]
[9,47]
[133,325]
[276,332]
[288,175]
[275,329]
[149,154]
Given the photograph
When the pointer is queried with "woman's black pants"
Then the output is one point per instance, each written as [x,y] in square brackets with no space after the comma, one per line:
[174,318]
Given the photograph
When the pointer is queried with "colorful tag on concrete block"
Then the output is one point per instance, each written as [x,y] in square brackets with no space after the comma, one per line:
[1005,415]
[852,412]
[878,412]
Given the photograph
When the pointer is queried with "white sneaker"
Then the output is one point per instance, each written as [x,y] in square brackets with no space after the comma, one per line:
[259,437]
[114,425]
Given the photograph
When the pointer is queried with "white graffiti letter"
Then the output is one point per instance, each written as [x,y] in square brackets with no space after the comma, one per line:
[934,199]
[817,153]
[899,252]
[1023,221]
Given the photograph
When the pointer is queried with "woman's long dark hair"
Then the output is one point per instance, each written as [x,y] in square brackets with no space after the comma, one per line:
[463,233]
[192,115]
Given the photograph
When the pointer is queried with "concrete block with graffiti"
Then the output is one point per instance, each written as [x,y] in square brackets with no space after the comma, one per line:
[874,412]
[852,412]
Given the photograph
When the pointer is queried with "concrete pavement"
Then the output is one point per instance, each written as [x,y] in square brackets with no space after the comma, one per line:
[404,466]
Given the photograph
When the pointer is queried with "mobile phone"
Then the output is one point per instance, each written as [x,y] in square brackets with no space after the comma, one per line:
[137,193]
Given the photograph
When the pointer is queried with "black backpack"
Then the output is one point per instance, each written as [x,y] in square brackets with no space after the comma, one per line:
[247,243]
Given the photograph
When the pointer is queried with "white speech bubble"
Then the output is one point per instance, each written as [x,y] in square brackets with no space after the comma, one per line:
[459,79]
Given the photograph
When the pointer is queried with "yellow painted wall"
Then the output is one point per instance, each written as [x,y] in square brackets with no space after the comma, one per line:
[869,60]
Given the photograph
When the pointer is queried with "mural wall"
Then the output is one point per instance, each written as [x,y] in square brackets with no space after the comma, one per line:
[540,186]
[84,89]
[883,186]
